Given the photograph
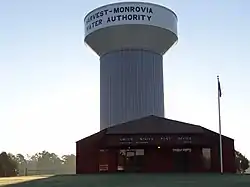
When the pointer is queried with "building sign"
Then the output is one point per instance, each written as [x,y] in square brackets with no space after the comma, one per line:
[177,139]
[182,150]
[144,140]
[127,13]
[154,140]
[166,138]
[184,139]
[138,140]
[126,140]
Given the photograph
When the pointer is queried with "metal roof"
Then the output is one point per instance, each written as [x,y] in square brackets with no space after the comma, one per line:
[155,125]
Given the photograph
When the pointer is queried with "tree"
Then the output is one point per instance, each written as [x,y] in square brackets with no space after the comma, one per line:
[69,163]
[40,163]
[8,165]
[48,162]
[22,164]
[242,163]
[21,159]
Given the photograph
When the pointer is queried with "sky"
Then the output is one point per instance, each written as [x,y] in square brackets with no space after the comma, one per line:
[49,79]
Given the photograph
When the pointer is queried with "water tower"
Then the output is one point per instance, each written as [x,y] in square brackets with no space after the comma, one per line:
[130,38]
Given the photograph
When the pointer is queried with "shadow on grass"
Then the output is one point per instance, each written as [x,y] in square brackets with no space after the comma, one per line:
[138,180]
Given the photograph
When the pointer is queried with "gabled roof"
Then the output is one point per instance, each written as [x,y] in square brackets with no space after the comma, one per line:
[155,125]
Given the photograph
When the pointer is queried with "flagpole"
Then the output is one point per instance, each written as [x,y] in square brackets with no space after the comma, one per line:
[221,153]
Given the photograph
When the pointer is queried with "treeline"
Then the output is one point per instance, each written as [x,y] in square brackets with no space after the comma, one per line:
[242,162]
[43,163]
[46,163]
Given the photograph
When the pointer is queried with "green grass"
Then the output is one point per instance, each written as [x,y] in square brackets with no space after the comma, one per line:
[130,180]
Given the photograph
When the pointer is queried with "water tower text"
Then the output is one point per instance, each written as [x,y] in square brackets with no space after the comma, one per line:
[121,14]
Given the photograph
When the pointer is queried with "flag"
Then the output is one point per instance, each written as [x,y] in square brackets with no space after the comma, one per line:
[219,88]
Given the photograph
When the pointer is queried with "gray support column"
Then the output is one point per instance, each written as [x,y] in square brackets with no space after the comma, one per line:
[131,86]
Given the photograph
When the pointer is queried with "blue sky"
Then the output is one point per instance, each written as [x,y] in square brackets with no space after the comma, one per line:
[49,79]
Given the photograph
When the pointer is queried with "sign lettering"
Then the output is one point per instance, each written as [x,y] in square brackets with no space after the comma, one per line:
[118,14]
[150,139]
[166,138]
[126,139]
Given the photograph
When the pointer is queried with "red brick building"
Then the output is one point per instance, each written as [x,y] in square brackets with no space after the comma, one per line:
[154,144]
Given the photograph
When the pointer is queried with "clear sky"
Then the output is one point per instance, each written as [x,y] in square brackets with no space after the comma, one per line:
[49,79]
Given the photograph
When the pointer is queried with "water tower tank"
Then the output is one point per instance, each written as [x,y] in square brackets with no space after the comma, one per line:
[130,38]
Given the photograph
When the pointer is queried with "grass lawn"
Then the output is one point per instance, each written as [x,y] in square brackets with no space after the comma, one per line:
[130,180]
